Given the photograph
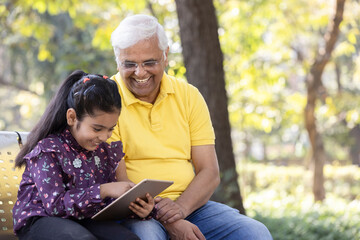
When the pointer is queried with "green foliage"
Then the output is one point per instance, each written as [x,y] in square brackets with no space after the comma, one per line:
[268,46]
[281,198]
[343,181]
[43,41]
[317,223]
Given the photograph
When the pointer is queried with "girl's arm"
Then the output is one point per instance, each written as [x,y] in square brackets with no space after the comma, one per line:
[116,189]
[121,174]
[58,200]
[140,207]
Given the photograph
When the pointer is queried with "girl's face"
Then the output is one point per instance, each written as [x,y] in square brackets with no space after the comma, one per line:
[92,130]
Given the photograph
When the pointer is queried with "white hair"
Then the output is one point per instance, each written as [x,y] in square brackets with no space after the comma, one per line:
[134,29]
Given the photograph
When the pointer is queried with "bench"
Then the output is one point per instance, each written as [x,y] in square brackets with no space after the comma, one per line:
[10,178]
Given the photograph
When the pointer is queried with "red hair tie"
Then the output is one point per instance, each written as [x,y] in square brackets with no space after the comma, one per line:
[86,79]
[105,77]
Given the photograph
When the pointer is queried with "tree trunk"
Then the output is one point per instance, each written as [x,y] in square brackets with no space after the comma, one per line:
[338,77]
[204,69]
[354,147]
[313,81]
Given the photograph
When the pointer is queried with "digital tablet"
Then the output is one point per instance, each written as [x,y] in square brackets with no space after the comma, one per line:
[119,208]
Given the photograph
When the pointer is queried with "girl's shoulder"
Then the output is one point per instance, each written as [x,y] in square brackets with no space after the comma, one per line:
[114,145]
[114,149]
[50,144]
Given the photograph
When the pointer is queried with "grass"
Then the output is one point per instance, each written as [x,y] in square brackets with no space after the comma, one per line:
[281,198]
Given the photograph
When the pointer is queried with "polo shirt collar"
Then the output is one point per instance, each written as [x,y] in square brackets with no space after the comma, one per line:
[166,88]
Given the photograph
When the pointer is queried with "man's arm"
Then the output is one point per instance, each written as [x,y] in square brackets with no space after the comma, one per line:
[121,172]
[206,179]
[199,190]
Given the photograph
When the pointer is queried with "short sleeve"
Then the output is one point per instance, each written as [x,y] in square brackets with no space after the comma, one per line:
[201,129]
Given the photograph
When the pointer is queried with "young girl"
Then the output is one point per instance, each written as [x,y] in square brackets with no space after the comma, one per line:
[71,172]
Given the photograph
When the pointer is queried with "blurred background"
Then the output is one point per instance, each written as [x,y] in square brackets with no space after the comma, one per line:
[301,187]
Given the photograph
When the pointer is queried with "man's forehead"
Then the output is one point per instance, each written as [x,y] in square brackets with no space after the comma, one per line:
[149,44]
[141,56]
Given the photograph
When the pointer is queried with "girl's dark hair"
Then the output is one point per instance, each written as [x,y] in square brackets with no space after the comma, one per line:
[81,91]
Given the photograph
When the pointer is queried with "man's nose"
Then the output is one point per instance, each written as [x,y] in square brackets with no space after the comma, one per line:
[140,70]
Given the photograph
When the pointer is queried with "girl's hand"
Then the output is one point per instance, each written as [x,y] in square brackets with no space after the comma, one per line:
[114,189]
[142,208]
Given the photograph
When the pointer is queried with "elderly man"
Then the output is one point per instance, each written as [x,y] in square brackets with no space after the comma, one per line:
[167,134]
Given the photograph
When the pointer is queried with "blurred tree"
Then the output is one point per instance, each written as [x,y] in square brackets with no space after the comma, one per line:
[43,41]
[314,87]
[60,35]
[204,64]
[268,48]
[354,149]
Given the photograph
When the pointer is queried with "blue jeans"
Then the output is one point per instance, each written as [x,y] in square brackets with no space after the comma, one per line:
[215,220]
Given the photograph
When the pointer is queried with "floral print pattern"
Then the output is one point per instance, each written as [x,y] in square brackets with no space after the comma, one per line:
[77,163]
[63,179]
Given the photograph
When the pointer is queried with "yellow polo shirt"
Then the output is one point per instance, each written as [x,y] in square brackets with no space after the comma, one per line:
[157,138]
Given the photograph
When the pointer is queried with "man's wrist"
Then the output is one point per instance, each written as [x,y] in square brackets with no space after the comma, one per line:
[183,210]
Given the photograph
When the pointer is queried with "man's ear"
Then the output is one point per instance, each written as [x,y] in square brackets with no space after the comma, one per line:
[71,117]
[166,56]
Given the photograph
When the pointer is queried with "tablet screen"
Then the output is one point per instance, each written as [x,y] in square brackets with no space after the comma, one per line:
[119,208]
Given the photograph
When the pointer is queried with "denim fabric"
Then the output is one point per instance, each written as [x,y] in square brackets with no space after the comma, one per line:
[148,229]
[215,220]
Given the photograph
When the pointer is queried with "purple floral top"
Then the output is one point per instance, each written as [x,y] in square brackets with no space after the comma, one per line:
[63,179]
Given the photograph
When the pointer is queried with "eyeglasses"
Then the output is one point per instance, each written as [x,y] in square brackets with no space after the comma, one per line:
[131,66]
[147,65]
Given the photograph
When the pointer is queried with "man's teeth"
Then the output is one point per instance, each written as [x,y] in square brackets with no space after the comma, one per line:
[142,80]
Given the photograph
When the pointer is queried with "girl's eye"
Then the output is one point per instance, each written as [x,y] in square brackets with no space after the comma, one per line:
[97,129]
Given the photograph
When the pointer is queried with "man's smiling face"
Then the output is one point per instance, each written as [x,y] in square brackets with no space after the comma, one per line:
[143,79]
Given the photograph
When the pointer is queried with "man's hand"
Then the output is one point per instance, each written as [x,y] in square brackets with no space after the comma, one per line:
[169,211]
[184,230]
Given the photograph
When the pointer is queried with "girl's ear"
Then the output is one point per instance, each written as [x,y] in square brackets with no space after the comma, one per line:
[71,117]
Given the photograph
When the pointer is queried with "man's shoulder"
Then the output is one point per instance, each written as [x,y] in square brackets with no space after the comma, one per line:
[117,78]
[177,80]
[180,84]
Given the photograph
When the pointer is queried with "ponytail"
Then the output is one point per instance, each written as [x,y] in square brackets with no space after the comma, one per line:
[80,91]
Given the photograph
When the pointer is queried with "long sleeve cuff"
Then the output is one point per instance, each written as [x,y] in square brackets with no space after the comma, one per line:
[94,193]
[152,213]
